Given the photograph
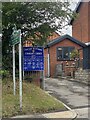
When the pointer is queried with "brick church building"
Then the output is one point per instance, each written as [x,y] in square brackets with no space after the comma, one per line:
[81,25]
[81,29]
[59,49]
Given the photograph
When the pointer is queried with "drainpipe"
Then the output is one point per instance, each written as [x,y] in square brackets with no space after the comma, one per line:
[48,61]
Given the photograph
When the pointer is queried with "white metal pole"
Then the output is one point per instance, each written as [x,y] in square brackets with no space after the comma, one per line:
[48,66]
[23,74]
[43,80]
[20,71]
[43,76]
[14,83]
[23,67]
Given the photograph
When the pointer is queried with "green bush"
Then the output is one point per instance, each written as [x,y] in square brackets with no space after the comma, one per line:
[74,54]
[4,73]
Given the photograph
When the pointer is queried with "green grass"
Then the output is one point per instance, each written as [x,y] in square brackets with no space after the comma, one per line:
[34,101]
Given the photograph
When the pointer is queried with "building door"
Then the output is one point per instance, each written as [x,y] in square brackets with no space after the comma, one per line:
[86,57]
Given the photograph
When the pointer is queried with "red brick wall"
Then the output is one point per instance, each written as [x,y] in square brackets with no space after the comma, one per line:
[82,23]
[89,20]
[53,54]
[28,42]
[53,36]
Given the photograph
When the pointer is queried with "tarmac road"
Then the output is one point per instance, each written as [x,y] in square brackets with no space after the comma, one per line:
[74,94]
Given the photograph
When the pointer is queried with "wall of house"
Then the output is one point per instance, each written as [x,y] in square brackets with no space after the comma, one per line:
[53,36]
[89,21]
[53,55]
[28,42]
[81,25]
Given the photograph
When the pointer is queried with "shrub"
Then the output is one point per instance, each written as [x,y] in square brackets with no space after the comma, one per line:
[74,54]
[4,73]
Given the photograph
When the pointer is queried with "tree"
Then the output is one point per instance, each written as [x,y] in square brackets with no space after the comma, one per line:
[33,18]
[36,17]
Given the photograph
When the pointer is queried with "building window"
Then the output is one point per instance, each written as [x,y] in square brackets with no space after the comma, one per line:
[63,53]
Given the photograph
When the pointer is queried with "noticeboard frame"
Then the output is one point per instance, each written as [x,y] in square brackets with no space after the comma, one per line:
[33,58]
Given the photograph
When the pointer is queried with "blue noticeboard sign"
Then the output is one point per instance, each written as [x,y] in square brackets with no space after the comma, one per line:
[33,59]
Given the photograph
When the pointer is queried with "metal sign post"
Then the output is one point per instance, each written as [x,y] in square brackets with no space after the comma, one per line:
[20,72]
[43,80]
[48,65]
[15,39]
[14,88]
[42,84]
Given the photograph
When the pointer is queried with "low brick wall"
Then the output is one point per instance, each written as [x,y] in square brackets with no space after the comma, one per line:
[70,70]
[83,76]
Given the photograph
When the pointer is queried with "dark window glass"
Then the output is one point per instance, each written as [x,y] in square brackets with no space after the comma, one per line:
[63,53]
[59,53]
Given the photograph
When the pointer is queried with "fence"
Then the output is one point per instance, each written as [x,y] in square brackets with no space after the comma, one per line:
[80,63]
[69,67]
[33,77]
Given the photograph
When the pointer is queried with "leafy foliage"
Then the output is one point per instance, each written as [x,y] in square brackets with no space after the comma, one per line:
[32,18]
[4,73]
[74,54]
[35,17]
[0,18]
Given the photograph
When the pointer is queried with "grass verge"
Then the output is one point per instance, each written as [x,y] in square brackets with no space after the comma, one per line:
[35,100]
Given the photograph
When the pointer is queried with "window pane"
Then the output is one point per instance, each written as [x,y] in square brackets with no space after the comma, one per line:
[66,53]
[59,53]
[63,53]
[70,50]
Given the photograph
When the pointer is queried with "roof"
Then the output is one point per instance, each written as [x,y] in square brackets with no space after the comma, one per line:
[55,41]
[76,10]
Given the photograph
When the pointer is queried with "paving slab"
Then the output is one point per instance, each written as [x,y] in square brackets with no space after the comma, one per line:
[64,114]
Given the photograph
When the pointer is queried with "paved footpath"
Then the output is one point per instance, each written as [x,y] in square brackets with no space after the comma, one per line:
[68,115]
[74,94]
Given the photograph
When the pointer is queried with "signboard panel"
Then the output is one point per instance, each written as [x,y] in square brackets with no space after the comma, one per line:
[15,37]
[33,59]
